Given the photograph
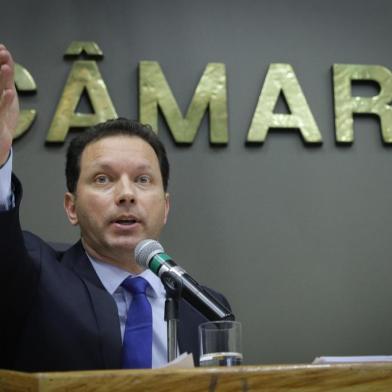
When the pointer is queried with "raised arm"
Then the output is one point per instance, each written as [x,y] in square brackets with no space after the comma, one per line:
[9,104]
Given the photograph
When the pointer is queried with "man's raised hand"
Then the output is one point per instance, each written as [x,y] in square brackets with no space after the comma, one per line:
[9,104]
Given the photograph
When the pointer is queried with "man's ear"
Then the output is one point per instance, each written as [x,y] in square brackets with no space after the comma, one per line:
[167,206]
[70,208]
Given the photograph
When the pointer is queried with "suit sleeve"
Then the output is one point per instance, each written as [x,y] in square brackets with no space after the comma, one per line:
[18,275]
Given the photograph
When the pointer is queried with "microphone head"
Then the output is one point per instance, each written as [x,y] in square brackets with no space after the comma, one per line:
[145,250]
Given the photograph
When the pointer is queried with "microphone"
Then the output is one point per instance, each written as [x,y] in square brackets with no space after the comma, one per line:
[150,254]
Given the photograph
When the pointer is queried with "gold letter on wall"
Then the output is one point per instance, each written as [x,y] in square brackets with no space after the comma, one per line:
[281,79]
[24,82]
[210,92]
[84,76]
[346,105]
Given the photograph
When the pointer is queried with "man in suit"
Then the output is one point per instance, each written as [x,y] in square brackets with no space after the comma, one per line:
[68,310]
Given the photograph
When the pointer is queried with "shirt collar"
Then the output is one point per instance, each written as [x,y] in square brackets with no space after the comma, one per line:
[112,276]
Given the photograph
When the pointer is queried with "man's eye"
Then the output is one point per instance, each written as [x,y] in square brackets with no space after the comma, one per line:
[102,179]
[144,179]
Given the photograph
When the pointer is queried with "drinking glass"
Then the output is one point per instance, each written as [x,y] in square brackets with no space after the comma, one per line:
[220,343]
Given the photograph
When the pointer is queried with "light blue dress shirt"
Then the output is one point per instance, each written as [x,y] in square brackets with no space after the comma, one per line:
[111,278]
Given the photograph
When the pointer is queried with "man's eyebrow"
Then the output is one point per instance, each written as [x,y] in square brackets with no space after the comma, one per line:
[96,165]
[105,165]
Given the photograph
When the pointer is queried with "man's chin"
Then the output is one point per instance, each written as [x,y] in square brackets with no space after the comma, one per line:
[124,245]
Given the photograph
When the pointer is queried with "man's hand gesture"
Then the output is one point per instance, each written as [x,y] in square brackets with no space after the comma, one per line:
[9,104]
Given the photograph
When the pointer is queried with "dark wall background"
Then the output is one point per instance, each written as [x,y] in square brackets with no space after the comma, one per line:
[297,238]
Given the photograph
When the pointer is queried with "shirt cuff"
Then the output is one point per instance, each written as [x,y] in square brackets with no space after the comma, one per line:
[6,195]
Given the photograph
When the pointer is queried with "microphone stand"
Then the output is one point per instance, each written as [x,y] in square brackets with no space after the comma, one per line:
[173,288]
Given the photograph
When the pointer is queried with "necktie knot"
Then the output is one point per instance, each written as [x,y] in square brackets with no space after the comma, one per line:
[136,285]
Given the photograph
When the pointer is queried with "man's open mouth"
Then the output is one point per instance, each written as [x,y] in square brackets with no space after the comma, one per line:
[126,222]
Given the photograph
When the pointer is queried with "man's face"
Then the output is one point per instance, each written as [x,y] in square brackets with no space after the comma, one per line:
[119,198]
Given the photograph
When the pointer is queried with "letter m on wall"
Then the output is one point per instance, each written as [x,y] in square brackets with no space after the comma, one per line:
[210,94]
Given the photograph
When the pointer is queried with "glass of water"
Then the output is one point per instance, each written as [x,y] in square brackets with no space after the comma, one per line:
[220,343]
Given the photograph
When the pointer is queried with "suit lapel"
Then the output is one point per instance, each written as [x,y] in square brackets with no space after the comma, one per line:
[104,306]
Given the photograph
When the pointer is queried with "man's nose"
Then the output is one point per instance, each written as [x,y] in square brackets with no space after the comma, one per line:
[125,192]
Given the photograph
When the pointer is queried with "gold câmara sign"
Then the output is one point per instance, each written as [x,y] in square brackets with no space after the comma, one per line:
[211,94]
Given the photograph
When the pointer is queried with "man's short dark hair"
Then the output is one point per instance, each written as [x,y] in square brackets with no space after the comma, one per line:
[119,126]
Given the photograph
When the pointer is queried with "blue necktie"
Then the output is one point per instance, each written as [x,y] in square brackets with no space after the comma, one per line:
[137,343]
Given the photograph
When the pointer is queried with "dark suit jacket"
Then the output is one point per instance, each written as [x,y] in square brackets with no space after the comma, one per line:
[56,314]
